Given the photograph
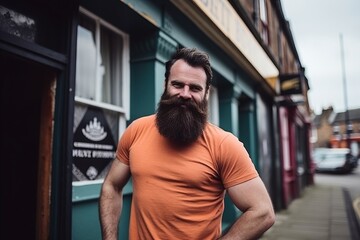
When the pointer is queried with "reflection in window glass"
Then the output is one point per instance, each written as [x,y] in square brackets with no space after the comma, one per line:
[110,66]
[213,106]
[264,25]
[99,62]
[86,59]
[263,16]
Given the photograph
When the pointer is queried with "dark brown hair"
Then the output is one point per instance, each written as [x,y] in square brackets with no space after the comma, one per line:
[194,58]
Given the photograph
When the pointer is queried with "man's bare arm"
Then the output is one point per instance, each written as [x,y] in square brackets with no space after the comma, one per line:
[258,215]
[110,203]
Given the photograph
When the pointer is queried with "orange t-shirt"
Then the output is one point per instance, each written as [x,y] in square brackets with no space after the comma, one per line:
[179,193]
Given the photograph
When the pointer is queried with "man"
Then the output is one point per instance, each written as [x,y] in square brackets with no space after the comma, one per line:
[181,166]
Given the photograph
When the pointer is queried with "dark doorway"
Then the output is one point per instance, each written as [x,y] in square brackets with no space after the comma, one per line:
[26,105]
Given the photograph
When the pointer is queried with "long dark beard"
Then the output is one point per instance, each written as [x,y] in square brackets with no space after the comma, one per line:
[179,120]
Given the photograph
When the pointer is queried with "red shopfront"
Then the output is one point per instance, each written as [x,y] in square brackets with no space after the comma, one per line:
[297,167]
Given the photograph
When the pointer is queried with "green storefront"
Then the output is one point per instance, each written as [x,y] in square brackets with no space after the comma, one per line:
[154,30]
[113,54]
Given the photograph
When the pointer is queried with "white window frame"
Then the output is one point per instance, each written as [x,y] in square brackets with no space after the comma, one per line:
[264,21]
[124,111]
[263,11]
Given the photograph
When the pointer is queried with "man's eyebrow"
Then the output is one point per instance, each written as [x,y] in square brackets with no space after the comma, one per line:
[175,80]
[198,86]
[190,85]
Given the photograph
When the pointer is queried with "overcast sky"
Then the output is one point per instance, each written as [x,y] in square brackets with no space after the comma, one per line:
[316,26]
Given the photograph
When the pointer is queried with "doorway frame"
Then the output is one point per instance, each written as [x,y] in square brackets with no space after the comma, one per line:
[59,219]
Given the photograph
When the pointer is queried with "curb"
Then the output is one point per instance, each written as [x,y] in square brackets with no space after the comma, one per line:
[351,213]
[356,205]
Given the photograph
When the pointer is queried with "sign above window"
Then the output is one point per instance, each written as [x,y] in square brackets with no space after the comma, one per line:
[290,84]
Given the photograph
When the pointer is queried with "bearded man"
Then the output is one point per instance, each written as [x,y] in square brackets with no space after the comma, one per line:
[181,167]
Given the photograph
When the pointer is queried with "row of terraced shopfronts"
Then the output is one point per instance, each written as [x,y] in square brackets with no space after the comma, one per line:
[75,74]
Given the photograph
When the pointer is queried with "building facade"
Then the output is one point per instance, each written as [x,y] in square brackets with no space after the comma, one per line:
[337,129]
[81,71]
[322,129]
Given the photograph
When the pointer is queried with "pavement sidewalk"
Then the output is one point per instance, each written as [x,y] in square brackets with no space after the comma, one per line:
[321,213]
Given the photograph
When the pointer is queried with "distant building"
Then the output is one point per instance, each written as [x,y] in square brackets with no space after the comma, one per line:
[346,130]
[322,129]
[330,129]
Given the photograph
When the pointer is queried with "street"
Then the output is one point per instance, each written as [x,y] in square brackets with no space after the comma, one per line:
[348,181]
[323,212]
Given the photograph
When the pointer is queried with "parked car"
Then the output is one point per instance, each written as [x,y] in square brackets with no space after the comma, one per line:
[337,160]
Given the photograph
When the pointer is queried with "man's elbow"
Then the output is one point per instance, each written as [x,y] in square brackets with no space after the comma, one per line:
[109,189]
[269,218]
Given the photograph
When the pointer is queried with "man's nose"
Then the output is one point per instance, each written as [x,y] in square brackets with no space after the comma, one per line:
[185,92]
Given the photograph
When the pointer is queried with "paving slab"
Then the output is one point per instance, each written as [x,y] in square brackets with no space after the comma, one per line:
[319,214]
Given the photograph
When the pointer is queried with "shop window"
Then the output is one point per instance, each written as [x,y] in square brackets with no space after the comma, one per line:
[336,130]
[264,22]
[349,128]
[314,135]
[101,96]
[280,47]
[100,61]
[213,106]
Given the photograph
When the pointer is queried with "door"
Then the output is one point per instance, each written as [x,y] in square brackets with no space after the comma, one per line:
[27,92]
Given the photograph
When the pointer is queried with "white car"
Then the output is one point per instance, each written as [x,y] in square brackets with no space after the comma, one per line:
[334,160]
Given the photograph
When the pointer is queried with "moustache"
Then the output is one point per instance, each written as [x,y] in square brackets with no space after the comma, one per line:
[182,103]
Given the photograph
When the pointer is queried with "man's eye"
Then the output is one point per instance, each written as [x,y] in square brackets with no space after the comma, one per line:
[177,85]
[196,89]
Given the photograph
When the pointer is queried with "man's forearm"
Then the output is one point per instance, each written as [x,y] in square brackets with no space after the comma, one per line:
[110,210]
[249,226]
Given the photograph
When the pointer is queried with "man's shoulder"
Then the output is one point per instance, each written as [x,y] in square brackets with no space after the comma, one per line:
[215,130]
[142,124]
[144,120]
[217,134]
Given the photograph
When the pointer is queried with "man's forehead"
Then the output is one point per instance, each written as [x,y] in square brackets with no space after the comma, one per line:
[182,69]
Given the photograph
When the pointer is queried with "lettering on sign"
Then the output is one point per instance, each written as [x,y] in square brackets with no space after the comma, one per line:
[93,146]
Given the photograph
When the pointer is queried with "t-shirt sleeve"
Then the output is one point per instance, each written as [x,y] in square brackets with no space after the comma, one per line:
[234,162]
[123,147]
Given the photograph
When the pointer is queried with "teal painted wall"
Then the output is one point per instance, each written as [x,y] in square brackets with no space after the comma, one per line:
[147,86]
[247,131]
[142,89]
[85,214]
[148,57]
[228,108]
[229,116]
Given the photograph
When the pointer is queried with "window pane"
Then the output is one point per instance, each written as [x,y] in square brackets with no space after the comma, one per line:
[86,59]
[213,106]
[263,16]
[110,66]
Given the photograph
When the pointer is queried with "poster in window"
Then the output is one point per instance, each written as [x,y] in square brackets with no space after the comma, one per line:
[94,144]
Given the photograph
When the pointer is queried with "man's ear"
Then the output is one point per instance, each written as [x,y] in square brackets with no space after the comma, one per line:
[207,93]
